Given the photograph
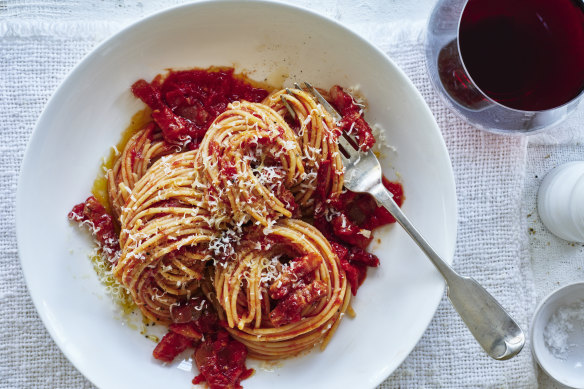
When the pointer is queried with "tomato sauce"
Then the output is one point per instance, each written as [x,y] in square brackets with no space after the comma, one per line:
[349,220]
[352,121]
[185,103]
[348,223]
[220,359]
[101,225]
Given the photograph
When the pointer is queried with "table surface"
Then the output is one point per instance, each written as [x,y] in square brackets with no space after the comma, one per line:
[550,262]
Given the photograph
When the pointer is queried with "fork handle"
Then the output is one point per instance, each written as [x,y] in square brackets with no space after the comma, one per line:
[493,328]
[385,198]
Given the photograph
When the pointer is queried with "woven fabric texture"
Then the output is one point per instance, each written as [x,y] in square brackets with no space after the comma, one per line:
[490,173]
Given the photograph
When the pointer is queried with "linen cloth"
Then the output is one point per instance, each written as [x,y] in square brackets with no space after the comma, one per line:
[555,262]
[492,245]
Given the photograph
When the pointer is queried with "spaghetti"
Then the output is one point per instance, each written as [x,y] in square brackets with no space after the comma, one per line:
[234,228]
[251,155]
[317,138]
[245,289]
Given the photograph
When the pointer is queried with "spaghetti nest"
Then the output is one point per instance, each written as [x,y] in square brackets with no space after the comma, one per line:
[254,290]
[250,157]
[224,220]
[317,137]
[165,228]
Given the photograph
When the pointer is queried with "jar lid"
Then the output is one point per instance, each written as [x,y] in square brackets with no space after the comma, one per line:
[560,201]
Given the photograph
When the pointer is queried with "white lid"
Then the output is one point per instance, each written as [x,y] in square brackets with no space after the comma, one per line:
[560,201]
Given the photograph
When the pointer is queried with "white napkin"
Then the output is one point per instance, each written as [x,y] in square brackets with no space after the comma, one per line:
[489,172]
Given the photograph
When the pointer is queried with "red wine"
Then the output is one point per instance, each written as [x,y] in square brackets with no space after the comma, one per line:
[524,54]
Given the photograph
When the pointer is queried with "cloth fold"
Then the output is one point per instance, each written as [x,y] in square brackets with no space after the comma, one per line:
[491,246]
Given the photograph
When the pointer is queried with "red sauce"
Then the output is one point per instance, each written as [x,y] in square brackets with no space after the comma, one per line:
[171,345]
[287,198]
[191,310]
[363,210]
[187,330]
[185,103]
[356,212]
[352,122]
[219,358]
[94,216]
[228,171]
[221,362]
[289,309]
[347,222]
[297,269]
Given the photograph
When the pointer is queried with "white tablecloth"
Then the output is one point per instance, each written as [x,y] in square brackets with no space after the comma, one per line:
[496,178]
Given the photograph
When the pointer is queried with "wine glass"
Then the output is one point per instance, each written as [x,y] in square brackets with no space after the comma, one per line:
[507,66]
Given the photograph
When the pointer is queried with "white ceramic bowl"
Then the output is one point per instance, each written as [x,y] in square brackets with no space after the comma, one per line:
[92,107]
[567,369]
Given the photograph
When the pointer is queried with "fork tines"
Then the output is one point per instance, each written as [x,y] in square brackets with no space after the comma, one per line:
[347,145]
[330,109]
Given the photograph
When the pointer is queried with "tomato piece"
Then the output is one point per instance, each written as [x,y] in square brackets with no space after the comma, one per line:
[170,346]
[289,309]
[188,330]
[296,271]
[100,223]
[221,362]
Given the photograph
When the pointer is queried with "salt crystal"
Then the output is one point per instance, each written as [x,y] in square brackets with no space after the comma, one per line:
[561,331]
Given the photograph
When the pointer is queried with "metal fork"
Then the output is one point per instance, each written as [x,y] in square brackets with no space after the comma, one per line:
[490,324]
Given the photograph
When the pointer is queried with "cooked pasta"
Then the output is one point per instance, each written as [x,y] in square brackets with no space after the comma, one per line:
[229,222]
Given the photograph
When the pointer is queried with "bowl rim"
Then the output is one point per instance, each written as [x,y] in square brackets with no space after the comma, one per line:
[97,49]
